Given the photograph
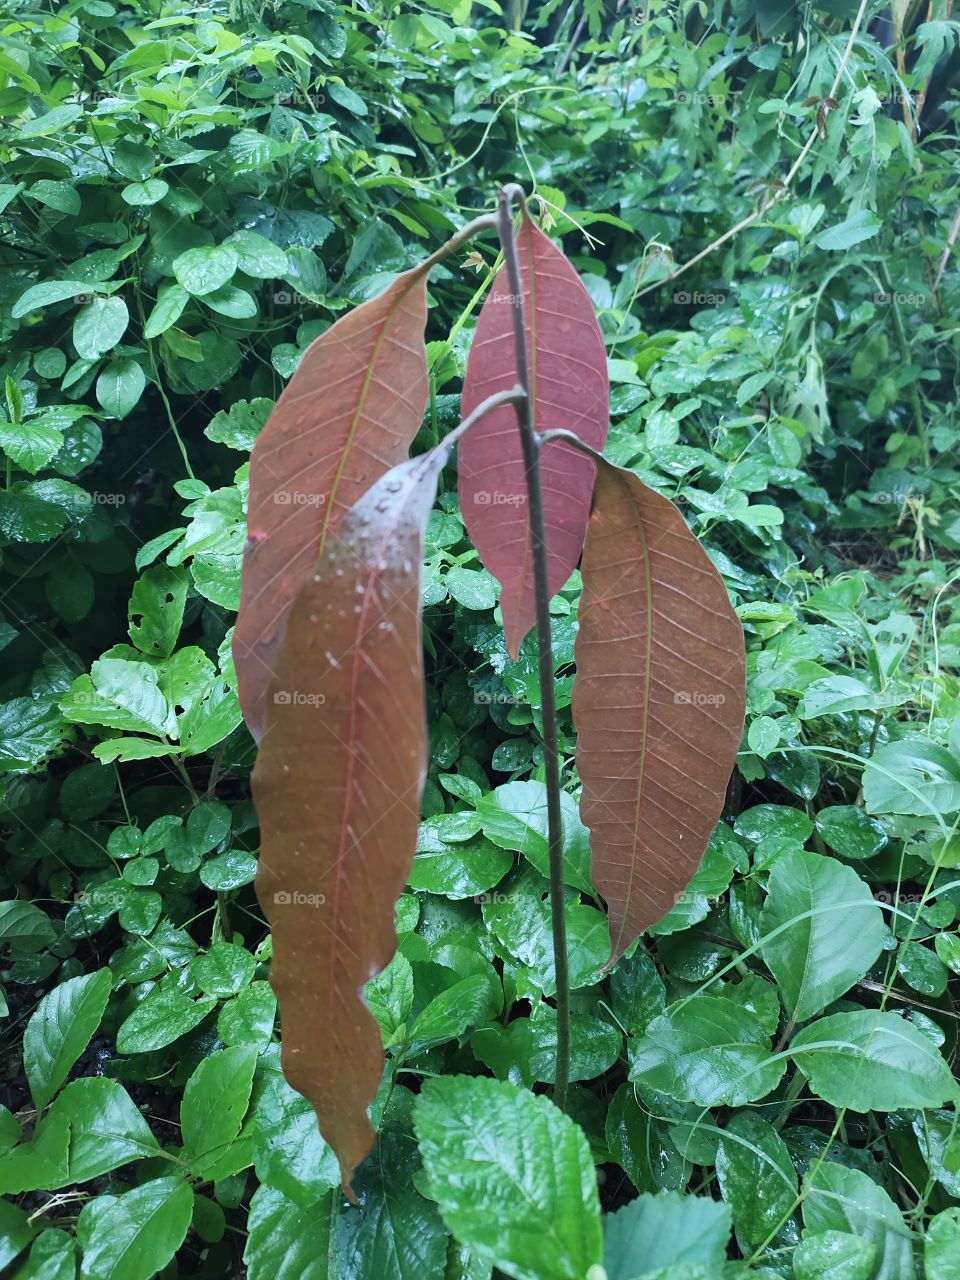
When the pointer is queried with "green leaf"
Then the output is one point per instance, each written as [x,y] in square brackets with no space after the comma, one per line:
[106,1129]
[121,694]
[287,1242]
[230,301]
[47,293]
[225,969]
[30,445]
[851,831]
[120,387]
[53,1256]
[941,1246]
[837,694]
[872,1061]
[16,1231]
[709,1050]
[24,927]
[99,326]
[164,1016]
[840,1199]
[145,193]
[214,1103]
[60,1029]
[399,1235]
[41,1163]
[171,300]
[913,776]
[502,1161]
[822,930]
[460,869]
[133,1236]
[514,817]
[289,1152]
[51,122]
[662,1231]
[859,226]
[201,271]
[239,426]
[473,588]
[468,1003]
[257,256]
[155,612]
[756,1176]
[834,1255]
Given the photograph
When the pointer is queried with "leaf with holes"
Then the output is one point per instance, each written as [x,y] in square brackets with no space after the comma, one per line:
[337,787]
[348,415]
[569,390]
[658,702]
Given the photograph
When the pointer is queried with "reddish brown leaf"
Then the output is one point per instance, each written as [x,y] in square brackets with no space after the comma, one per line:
[337,786]
[569,389]
[348,415]
[658,700]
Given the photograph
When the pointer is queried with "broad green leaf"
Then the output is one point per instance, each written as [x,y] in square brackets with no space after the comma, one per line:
[30,445]
[399,1235]
[155,612]
[834,1255]
[665,1231]
[851,831]
[287,1242]
[53,1256]
[912,776]
[941,1246]
[121,694]
[872,1061]
[171,301]
[164,1016]
[514,816]
[458,870]
[48,293]
[513,1177]
[835,695]
[239,426]
[709,1050]
[289,1152]
[822,930]
[60,1029]
[106,1128]
[756,1176]
[203,270]
[144,193]
[41,1163]
[132,1236]
[24,927]
[120,387]
[99,326]
[841,1199]
[230,301]
[16,1231]
[214,1103]
[859,226]
[257,256]
[225,969]
[449,1015]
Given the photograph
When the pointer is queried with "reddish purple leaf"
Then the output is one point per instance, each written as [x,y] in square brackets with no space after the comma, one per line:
[349,414]
[658,700]
[337,785]
[569,389]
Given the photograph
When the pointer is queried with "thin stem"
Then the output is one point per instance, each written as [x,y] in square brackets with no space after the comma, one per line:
[530,444]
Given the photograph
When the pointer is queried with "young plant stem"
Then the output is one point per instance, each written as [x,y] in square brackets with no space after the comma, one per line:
[530,443]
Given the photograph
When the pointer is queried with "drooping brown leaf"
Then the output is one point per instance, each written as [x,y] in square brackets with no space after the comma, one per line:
[569,389]
[348,415]
[658,700]
[337,787]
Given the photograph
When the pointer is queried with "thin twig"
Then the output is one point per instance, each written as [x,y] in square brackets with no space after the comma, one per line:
[530,444]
